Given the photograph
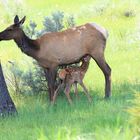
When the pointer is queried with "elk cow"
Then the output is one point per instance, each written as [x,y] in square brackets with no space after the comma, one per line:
[62,48]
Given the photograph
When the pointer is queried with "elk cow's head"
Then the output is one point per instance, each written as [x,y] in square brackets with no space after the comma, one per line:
[13,31]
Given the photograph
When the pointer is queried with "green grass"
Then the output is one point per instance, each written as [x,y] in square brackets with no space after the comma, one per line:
[102,119]
[82,119]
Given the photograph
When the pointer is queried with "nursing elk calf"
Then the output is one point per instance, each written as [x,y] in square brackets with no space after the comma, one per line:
[73,76]
[62,48]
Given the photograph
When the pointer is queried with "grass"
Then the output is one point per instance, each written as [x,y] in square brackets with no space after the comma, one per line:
[82,119]
[102,119]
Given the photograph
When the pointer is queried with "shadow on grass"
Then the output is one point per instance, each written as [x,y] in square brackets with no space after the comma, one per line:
[121,91]
[101,112]
[80,118]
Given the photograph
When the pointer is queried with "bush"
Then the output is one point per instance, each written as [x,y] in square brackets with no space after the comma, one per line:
[54,23]
[31,81]
[31,30]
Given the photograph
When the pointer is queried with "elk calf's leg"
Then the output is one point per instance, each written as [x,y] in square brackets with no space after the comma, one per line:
[85,91]
[75,89]
[67,92]
[56,92]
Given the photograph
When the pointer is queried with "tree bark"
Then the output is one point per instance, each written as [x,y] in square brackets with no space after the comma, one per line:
[7,106]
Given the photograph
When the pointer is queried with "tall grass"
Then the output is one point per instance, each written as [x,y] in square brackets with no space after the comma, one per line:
[37,119]
[135,115]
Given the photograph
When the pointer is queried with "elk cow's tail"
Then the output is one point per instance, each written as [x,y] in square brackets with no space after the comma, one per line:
[101,29]
[107,34]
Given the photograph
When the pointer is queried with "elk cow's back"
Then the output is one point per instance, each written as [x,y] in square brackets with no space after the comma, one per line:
[71,44]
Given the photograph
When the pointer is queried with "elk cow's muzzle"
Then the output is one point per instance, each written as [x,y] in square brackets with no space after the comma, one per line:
[2,36]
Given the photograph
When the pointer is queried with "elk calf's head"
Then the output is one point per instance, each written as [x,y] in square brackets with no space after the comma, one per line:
[13,31]
[63,73]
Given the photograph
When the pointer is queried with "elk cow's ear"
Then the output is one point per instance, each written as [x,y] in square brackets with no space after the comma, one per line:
[22,20]
[16,19]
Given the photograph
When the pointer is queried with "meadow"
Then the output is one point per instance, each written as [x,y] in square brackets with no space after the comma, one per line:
[102,119]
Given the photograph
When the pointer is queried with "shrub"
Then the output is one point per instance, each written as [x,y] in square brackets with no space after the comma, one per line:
[56,22]
[31,29]
[30,81]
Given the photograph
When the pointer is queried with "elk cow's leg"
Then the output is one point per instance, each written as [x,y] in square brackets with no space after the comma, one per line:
[46,71]
[53,80]
[51,77]
[100,60]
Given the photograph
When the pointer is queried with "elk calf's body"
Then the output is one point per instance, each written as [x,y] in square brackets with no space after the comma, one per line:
[72,76]
[62,48]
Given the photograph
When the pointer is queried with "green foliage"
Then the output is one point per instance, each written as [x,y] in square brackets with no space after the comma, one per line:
[50,25]
[56,22]
[31,29]
[34,80]
[70,22]
[29,82]
[135,114]
[100,120]
[57,17]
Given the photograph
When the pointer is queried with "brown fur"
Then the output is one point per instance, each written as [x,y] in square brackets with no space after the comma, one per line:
[71,76]
[62,48]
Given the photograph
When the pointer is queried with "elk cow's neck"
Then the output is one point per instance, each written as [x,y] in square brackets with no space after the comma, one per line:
[27,45]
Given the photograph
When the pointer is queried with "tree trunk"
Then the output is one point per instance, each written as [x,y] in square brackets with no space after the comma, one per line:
[7,106]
